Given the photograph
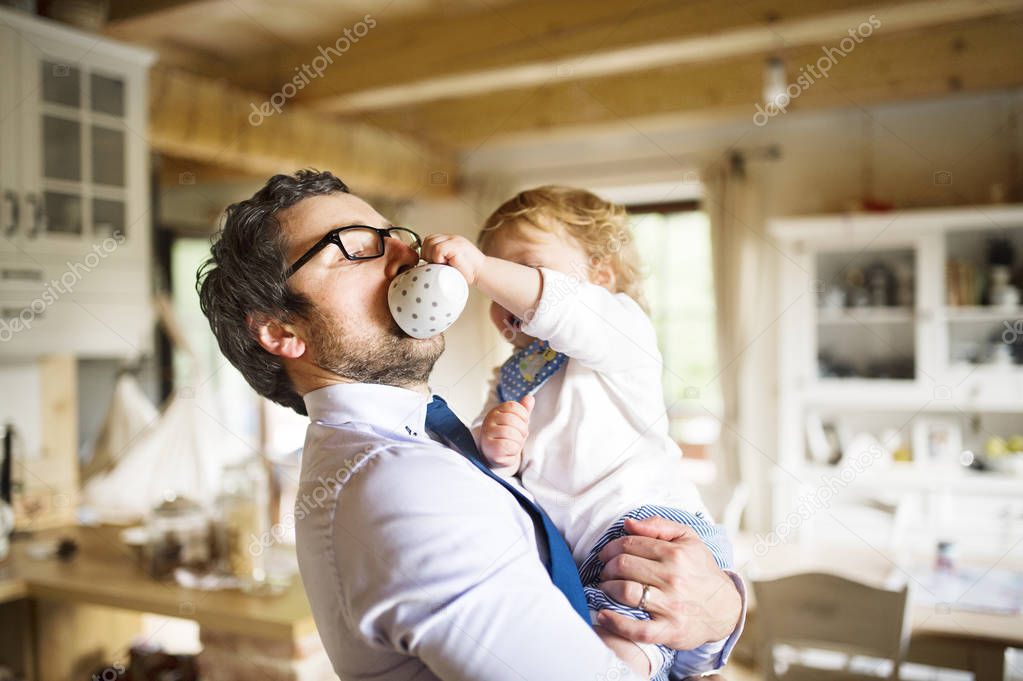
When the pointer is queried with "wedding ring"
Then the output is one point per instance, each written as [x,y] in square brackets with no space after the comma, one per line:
[642,599]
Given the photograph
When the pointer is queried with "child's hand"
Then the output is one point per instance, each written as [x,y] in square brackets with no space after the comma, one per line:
[504,432]
[457,251]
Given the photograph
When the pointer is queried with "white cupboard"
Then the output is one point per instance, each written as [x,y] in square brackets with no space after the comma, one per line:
[75,217]
[900,377]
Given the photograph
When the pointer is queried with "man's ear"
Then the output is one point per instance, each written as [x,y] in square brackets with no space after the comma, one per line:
[276,337]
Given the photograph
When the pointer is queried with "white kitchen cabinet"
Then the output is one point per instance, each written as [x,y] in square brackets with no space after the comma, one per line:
[74,181]
[929,373]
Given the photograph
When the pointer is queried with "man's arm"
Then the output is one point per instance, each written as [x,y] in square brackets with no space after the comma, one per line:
[438,562]
[713,655]
[699,609]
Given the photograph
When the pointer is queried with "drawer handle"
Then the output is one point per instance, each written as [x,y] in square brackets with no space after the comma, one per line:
[21,274]
[15,312]
[12,198]
[38,215]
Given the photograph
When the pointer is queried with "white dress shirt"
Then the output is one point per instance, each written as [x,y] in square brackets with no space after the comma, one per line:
[419,566]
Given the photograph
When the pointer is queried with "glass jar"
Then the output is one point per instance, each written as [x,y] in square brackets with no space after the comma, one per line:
[178,536]
[241,522]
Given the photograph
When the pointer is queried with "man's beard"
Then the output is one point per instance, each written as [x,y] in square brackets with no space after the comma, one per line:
[389,358]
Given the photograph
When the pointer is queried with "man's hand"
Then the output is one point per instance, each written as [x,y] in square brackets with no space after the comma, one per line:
[691,600]
[457,251]
[504,432]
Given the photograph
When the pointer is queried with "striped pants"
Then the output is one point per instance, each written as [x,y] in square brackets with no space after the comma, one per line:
[589,572]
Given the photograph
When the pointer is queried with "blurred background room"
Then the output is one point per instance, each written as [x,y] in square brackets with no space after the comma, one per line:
[828,198]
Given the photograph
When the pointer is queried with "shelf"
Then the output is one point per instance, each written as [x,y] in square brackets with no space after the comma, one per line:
[983,314]
[865,315]
[907,396]
[957,369]
[910,476]
[865,393]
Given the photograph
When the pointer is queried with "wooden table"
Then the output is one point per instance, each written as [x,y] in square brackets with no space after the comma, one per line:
[104,579]
[941,636]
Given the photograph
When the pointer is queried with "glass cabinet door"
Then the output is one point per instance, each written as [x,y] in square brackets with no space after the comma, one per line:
[62,140]
[108,154]
[10,195]
[866,314]
[82,193]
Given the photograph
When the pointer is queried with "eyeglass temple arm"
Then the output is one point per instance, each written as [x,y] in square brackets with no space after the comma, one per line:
[310,254]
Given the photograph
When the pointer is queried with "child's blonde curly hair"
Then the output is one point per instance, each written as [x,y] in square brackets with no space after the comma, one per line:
[599,226]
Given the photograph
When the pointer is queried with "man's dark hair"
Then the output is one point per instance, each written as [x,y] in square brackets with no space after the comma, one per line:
[245,277]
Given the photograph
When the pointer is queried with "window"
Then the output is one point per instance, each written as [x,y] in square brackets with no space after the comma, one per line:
[674,243]
[209,374]
[242,412]
[257,425]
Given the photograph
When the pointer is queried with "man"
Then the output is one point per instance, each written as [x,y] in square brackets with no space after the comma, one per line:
[419,564]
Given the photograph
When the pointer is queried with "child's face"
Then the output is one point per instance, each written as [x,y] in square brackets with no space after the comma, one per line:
[533,247]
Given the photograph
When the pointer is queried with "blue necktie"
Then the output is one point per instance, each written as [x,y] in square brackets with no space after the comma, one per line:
[560,565]
[527,369]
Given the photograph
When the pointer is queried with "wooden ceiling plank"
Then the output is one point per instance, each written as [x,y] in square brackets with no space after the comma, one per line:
[501,51]
[125,10]
[212,122]
[973,56]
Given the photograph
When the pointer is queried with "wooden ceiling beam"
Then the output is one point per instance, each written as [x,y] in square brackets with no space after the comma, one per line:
[212,122]
[529,44]
[977,55]
[174,171]
[125,10]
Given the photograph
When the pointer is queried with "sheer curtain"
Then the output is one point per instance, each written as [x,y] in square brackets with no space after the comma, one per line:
[744,291]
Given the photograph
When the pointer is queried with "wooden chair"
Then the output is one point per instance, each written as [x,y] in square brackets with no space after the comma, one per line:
[731,516]
[830,613]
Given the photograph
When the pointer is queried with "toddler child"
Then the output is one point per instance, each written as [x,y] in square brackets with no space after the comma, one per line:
[577,412]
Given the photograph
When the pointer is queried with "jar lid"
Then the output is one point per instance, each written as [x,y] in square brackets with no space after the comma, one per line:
[177,506]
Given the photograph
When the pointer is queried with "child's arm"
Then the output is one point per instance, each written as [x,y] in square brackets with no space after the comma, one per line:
[603,331]
[489,403]
[514,287]
[503,433]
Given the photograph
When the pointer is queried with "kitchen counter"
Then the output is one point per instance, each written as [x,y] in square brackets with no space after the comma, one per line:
[105,574]
[12,587]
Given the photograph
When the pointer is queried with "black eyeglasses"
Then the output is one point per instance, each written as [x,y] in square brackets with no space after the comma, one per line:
[359,242]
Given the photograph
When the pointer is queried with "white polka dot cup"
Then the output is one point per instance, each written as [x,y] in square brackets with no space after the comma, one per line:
[427,299]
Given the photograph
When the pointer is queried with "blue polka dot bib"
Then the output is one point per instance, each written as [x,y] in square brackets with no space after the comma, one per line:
[527,369]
